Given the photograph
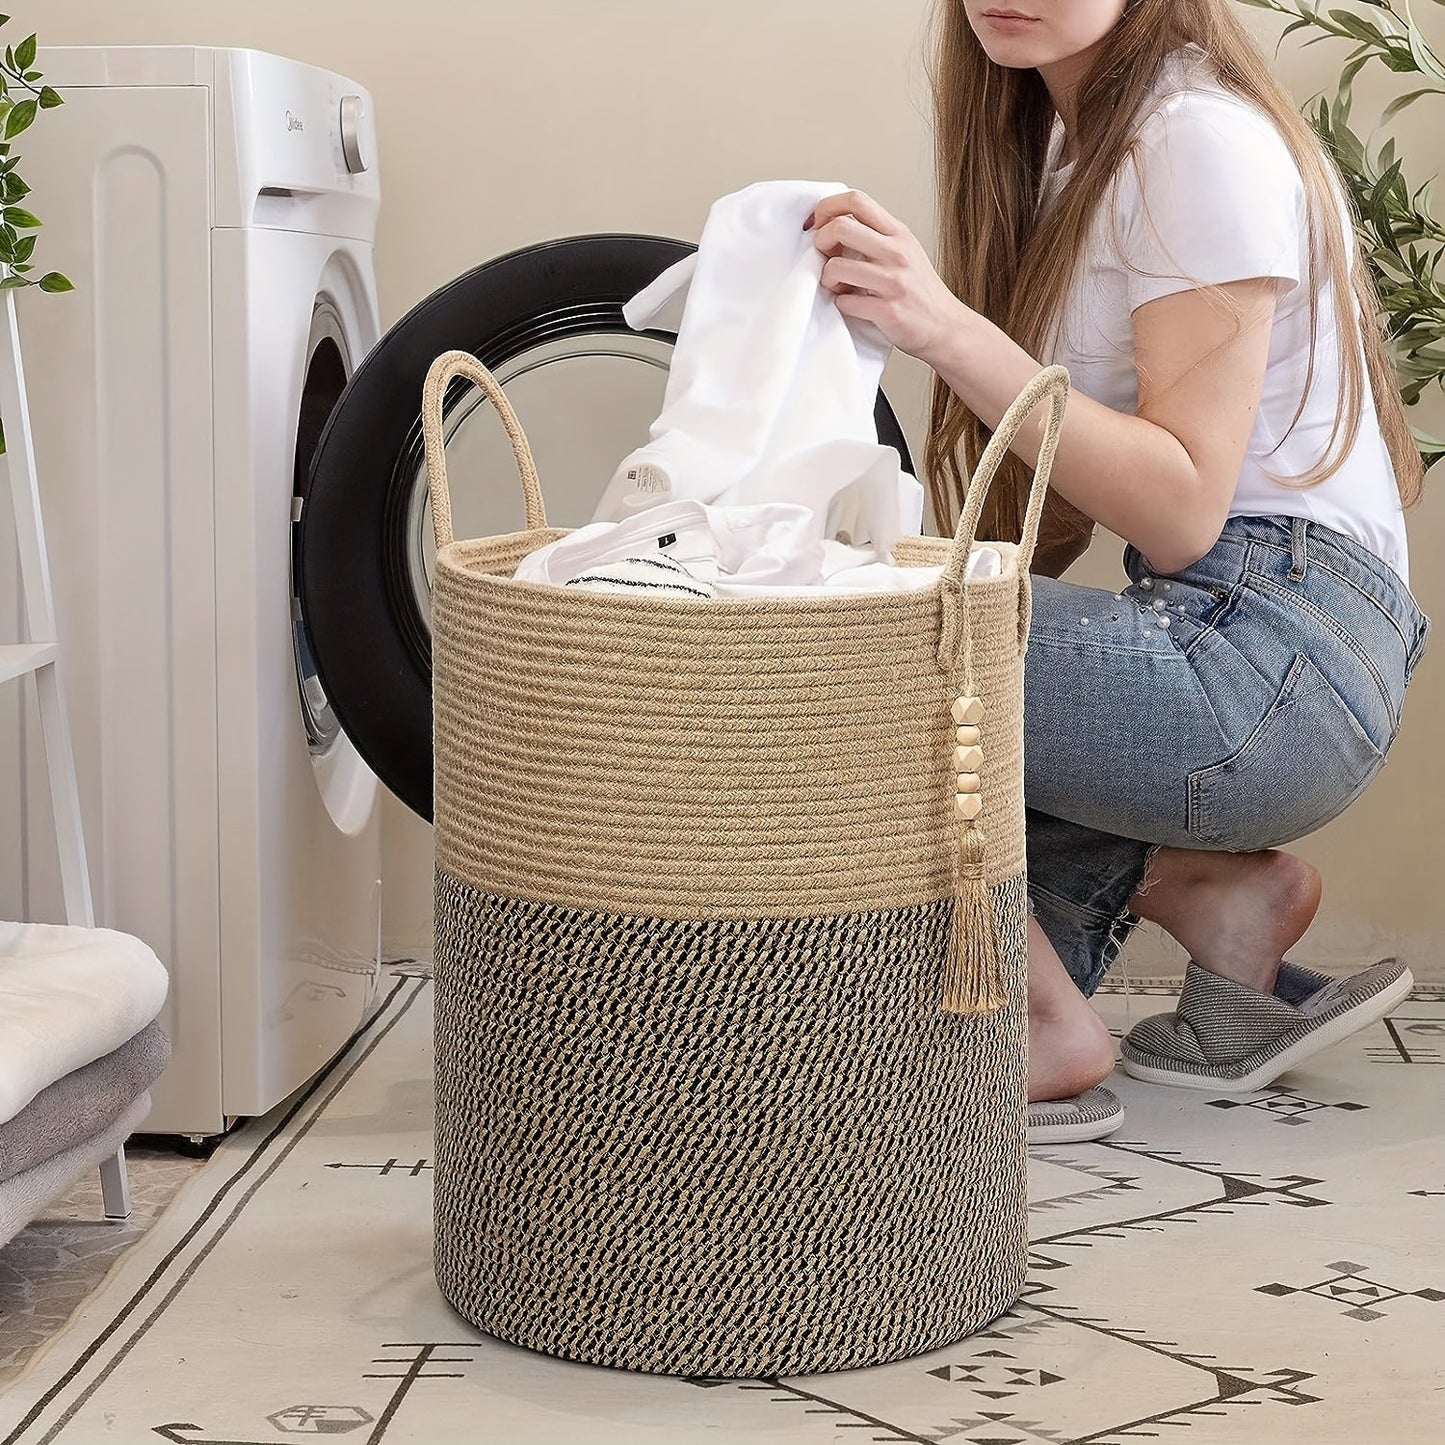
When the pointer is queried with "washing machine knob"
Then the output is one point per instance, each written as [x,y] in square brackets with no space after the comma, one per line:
[353,134]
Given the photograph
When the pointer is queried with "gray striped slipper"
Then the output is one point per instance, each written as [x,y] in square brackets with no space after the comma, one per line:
[1090,1115]
[1232,1039]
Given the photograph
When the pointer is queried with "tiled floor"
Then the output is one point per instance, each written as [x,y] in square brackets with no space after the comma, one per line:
[1263,1269]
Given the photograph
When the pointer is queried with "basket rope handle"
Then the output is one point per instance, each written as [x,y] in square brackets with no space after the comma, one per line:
[955,645]
[462,363]
[975,980]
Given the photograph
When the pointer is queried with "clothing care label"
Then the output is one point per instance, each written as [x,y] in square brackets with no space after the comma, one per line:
[644,484]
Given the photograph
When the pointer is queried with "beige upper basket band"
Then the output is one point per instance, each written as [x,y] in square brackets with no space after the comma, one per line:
[1051,385]
[744,758]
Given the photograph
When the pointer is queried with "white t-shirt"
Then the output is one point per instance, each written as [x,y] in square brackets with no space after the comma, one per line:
[1226,199]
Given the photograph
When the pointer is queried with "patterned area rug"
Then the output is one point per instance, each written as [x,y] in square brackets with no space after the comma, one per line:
[1263,1268]
[48,1269]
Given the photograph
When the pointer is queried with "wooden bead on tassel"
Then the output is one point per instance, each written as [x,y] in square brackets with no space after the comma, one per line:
[973,980]
[967,710]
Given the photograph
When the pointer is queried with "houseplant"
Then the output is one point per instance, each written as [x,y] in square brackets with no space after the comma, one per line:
[1403,241]
[22,97]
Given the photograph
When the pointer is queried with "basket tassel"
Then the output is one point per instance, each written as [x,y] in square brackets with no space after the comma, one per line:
[972,975]
[972,979]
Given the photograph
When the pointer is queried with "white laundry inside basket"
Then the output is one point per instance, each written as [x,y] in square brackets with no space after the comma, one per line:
[763,474]
[770,549]
[771,389]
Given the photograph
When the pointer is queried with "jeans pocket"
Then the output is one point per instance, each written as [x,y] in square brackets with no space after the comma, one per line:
[1305,763]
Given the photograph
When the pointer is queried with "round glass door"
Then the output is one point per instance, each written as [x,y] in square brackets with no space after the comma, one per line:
[328,369]
[585,403]
[548,322]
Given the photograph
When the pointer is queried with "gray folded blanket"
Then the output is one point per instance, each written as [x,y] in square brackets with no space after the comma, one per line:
[34,1191]
[83,1103]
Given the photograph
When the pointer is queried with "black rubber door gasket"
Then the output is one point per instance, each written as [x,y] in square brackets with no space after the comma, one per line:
[372,644]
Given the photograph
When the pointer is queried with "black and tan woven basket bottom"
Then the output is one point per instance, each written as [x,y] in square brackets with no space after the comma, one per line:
[726,1148]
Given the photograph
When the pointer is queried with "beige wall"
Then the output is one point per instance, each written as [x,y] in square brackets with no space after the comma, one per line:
[503,124]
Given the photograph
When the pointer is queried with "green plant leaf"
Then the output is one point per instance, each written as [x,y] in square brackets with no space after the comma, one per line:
[25,52]
[1353,25]
[49,98]
[1351,70]
[1401,62]
[25,248]
[19,118]
[21,219]
[1382,186]
[54,281]
[1425,58]
[11,283]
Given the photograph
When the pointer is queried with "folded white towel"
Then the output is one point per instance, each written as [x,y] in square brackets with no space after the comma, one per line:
[643,576]
[771,390]
[68,996]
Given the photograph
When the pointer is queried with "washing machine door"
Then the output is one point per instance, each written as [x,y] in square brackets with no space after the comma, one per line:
[547,321]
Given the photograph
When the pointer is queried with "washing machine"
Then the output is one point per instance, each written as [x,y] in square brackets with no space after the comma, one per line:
[216,210]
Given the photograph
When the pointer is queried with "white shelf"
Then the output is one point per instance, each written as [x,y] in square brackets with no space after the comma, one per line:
[42,660]
[20,659]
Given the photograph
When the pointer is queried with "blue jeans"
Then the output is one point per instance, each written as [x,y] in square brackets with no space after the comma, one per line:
[1262,710]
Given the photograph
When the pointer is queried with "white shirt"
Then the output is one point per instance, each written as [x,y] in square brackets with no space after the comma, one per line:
[771,388]
[1218,185]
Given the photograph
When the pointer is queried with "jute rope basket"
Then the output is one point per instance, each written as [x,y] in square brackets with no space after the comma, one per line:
[730,950]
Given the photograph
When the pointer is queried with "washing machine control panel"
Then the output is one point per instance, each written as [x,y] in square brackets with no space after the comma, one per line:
[353,134]
[295,148]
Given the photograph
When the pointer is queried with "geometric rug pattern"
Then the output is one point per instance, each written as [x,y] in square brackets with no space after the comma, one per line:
[1268,1267]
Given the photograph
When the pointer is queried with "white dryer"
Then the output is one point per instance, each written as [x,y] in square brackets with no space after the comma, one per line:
[216,210]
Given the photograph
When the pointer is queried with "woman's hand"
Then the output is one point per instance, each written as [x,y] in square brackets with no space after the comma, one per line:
[879,272]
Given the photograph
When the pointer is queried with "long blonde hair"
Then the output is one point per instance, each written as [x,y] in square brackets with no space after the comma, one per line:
[992,129]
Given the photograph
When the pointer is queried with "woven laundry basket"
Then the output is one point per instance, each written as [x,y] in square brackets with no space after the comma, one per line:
[730,951]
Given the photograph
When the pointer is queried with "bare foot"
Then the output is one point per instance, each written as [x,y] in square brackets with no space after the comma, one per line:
[1068,1054]
[1070,1050]
[1237,914]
